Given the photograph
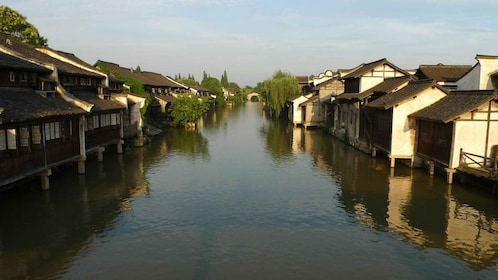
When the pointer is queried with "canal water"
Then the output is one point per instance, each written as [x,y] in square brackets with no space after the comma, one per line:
[246,198]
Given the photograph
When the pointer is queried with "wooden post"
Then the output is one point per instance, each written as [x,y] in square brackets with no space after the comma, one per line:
[81,165]
[431,168]
[100,154]
[374,152]
[461,157]
[119,147]
[393,161]
[45,182]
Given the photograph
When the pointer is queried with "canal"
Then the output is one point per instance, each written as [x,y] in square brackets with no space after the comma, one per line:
[246,198]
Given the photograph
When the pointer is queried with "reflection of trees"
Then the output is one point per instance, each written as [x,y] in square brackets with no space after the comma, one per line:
[188,142]
[44,231]
[420,208]
[278,140]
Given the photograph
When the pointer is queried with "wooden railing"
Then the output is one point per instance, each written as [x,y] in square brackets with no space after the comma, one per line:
[482,163]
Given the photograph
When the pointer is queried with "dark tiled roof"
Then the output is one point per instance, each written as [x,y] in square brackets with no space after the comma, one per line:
[365,68]
[11,62]
[199,88]
[413,88]
[389,85]
[302,79]
[442,73]
[455,104]
[145,77]
[25,104]
[31,52]
[99,104]
[312,100]
[167,98]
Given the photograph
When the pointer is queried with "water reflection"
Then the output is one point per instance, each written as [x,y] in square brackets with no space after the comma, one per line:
[421,210]
[278,140]
[45,231]
[187,142]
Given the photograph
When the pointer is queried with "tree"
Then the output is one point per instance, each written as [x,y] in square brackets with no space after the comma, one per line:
[138,69]
[188,109]
[224,79]
[279,88]
[215,87]
[13,23]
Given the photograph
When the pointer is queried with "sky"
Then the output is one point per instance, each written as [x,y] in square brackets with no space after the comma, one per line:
[251,39]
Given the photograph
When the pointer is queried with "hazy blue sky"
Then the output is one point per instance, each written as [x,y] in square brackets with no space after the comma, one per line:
[253,38]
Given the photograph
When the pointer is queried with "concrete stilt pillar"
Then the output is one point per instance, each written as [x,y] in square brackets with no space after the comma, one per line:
[119,147]
[100,154]
[139,141]
[81,165]
[374,152]
[431,168]
[393,162]
[450,172]
[44,180]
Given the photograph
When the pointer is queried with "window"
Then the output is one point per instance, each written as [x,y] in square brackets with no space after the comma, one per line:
[35,130]
[11,139]
[24,137]
[96,123]
[105,119]
[12,76]
[32,77]
[85,81]
[52,130]
[3,140]
[23,77]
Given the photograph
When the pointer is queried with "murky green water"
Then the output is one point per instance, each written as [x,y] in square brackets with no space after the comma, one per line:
[245,198]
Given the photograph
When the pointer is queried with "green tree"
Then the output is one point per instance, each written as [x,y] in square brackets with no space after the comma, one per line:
[188,109]
[215,87]
[138,69]
[224,79]
[13,23]
[279,88]
[204,75]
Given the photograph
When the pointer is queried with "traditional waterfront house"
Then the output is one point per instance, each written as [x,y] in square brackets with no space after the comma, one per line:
[392,131]
[295,113]
[77,82]
[350,102]
[482,76]
[327,90]
[304,84]
[38,130]
[464,120]
[199,91]
[445,75]
[389,85]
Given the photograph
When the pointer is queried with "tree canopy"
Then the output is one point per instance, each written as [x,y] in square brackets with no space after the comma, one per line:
[278,89]
[13,23]
[188,109]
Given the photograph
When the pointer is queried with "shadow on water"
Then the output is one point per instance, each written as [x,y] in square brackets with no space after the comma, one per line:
[422,210]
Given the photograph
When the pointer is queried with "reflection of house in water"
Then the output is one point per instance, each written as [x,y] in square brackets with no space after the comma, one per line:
[297,140]
[400,194]
[471,235]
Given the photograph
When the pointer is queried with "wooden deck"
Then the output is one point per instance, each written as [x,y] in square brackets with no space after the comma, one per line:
[478,166]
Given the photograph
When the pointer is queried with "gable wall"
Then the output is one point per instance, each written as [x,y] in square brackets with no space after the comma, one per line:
[403,133]
[377,76]
[471,135]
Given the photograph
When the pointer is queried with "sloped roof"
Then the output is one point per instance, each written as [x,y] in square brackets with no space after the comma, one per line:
[389,85]
[312,100]
[302,79]
[22,104]
[167,98]
[31,52]
[98,103]
[442,73]
[199,88]
[8,61]
[365,68]
[413,88]
[146,77]
[455,104]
